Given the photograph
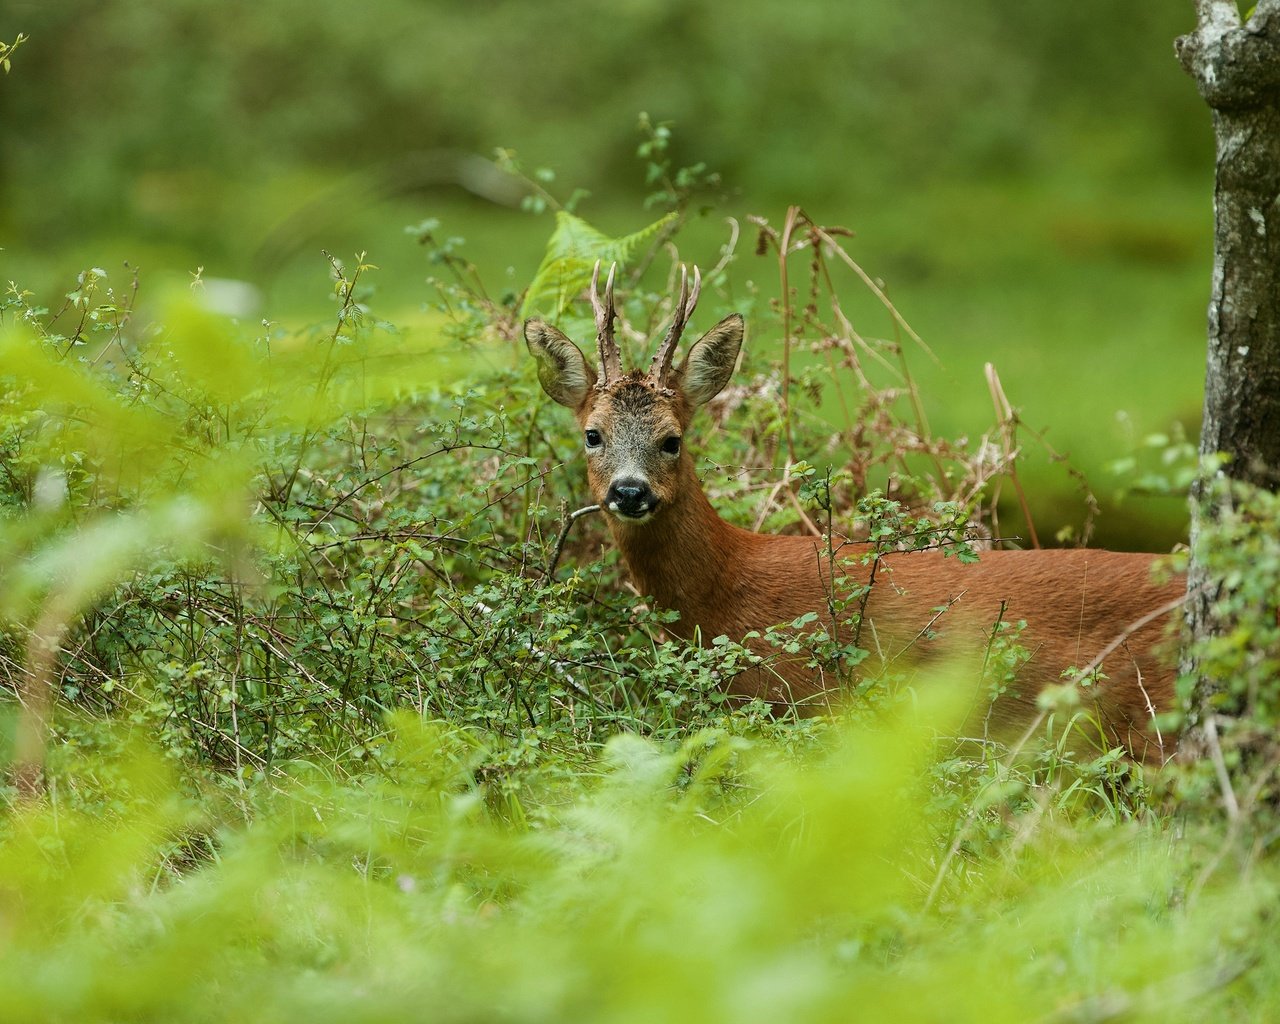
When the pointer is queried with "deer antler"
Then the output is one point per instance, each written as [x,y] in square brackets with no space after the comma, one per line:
[610,357]
[661,365]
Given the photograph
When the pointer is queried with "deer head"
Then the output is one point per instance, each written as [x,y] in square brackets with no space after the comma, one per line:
[633,423]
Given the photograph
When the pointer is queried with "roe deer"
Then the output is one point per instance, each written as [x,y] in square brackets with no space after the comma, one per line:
[1080,605]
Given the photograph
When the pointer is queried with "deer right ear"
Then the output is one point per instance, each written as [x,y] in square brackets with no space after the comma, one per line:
[563,371]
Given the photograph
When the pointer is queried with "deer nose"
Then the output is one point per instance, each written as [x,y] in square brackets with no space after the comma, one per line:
[630,497]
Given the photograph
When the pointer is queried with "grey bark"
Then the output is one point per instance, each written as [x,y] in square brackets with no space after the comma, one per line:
[1236,67]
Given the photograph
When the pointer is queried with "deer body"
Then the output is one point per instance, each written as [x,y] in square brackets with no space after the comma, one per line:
[1082,607]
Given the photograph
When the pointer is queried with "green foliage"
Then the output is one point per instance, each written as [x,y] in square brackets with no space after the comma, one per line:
[672,186]
[142,133]
[1242,555]
[1165,464]
[1237,667]
[572,253]
[347,95]
[391,763]
[7,51]
[390,768]
[701,881]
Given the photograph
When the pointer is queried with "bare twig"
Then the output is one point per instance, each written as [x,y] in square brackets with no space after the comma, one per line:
[1132,628]
[1008,426]
[569,520]
[1210,728]
[794,216]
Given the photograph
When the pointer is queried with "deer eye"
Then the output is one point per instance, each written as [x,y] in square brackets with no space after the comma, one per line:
[594,440]
[671,446]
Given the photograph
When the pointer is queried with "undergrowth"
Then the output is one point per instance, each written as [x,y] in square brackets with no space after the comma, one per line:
[303,724]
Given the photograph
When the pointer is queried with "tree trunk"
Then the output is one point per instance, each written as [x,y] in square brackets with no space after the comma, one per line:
[1237,70]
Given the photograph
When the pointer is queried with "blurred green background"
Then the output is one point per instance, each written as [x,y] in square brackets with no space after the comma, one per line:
[1032,181]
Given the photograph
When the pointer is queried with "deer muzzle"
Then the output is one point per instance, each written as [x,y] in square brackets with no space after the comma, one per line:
[630,498]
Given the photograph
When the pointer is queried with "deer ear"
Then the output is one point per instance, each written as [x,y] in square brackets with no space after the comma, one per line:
[563,371]
[709,364]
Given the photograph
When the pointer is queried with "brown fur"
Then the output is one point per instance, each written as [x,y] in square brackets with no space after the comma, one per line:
[727,581]
[724,580]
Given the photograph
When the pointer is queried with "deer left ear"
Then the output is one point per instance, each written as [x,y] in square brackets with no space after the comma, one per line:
[710,362]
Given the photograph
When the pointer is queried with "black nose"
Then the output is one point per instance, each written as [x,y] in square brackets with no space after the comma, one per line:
[630,497]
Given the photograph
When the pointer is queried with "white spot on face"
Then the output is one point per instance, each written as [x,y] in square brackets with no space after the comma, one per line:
[1242,350]
[1259,222]
[641,516]
[628,517]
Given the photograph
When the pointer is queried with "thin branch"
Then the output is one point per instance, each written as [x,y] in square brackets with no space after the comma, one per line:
[564,534]
[1220,767]
[794,214]
[1008,422]
[1132,628]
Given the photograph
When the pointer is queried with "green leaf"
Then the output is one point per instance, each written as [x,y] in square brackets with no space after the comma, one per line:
[571,255]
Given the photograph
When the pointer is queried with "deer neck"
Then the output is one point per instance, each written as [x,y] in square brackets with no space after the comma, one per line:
[683,556]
